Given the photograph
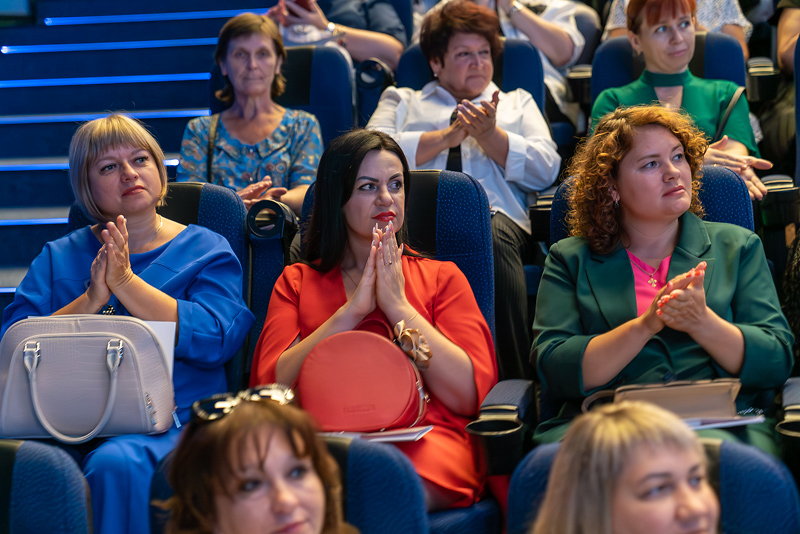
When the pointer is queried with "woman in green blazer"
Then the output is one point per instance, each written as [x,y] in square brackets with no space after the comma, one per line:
[646,291]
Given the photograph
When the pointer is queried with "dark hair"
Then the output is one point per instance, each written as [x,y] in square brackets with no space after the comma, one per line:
[458,16]
[791,300]
[596,163]
[243,25]
[655,10]
[326,238]
[210,453]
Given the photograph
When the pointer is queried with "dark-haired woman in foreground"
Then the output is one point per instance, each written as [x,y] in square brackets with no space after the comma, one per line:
[356,267]
[646,291]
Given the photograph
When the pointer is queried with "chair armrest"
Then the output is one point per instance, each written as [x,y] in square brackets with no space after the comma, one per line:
[762,80]
[579,79]
[501,424]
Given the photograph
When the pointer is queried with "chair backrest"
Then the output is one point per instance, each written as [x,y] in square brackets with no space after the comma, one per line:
[318,81]
[717,56]
[441,206]
[757,493]
[723,195]
[269,257]
[588,22]
[382,491]
[219,209]
[414,71]
[42,490]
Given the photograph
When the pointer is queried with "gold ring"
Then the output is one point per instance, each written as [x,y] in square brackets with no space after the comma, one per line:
[390,262]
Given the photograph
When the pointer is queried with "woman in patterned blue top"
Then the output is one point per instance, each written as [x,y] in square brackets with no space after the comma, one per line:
[257,147]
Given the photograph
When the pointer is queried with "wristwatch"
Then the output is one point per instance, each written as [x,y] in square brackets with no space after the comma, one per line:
[515,6]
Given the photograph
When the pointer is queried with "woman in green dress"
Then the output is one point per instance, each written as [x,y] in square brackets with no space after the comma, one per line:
[663,32]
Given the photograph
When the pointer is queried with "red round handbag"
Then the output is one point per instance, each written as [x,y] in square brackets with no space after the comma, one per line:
[359,381]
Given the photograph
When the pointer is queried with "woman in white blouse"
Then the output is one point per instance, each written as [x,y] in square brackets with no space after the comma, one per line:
[462,121]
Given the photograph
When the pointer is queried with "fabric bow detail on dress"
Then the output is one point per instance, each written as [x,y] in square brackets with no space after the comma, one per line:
[413,343]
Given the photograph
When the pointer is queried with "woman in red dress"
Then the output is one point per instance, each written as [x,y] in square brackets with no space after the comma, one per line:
[357,268]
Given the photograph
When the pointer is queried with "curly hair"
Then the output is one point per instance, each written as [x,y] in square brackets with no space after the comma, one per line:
[596,163]
[459,16]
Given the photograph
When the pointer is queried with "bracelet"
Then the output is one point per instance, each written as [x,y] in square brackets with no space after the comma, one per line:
[515,6]
[337,33]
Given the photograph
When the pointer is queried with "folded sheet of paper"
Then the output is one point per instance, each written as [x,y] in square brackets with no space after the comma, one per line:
[699,423]
[387,436]
[165,332]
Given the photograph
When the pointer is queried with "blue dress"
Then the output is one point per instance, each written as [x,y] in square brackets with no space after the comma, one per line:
[198,269]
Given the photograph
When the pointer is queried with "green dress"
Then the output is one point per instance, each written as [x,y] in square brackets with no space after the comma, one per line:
[704,100]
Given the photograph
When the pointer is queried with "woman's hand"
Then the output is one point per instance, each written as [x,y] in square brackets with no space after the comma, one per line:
[685,309]
[390,290]
[453,135]
[742,165]
[118,265]
[479,122]
[278,13]
[259,191]
[98,292]
[363,301]
[297,15]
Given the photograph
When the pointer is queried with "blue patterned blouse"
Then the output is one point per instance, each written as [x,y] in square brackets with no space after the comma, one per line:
[290,156]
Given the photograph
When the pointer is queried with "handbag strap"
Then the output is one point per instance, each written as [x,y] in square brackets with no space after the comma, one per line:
[31,357]
[212,140]
[594,397]
[728,111]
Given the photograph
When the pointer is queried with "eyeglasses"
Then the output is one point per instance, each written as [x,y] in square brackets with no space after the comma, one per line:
[219,405]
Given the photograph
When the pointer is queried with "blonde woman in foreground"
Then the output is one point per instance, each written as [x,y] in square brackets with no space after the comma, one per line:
[629,468]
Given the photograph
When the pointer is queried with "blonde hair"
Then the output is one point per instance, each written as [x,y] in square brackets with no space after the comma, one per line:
[93,139]
[592,457]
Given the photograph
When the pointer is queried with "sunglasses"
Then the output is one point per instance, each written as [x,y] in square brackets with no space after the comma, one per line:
[219,405]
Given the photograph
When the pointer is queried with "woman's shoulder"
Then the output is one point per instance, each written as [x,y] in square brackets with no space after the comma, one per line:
[300,116]
[75,241]
[200,124]
[719,231]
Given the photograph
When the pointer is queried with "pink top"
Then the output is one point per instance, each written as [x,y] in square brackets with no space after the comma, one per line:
[645,291]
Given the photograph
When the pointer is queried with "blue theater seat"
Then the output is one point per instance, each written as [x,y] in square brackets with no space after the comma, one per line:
[41,490]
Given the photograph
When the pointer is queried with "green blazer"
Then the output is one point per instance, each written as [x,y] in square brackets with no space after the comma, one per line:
[583,294]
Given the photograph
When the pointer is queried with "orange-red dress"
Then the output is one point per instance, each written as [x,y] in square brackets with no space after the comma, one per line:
[303,299]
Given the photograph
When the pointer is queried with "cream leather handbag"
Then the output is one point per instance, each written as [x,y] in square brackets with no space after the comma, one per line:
[77,377]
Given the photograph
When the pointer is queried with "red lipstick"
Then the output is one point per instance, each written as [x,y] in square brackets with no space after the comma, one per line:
[385,216]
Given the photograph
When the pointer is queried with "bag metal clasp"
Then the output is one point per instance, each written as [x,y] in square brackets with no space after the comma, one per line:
[113,354]
[31,355]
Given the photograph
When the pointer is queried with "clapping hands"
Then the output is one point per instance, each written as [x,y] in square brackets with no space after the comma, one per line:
[111,267]
[681,304]
[382,283]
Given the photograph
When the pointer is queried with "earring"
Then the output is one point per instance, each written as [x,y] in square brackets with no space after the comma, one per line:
[616,204]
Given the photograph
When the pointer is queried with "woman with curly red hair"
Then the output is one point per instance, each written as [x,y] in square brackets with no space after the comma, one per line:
[647,292]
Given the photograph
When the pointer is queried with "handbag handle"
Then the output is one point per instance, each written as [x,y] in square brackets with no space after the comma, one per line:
[31,357]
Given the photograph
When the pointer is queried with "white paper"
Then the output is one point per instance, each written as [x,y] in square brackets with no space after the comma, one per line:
[165,332]
[699,423]
[387,436]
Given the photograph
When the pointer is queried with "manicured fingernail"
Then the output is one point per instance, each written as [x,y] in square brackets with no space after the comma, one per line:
[658,312]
